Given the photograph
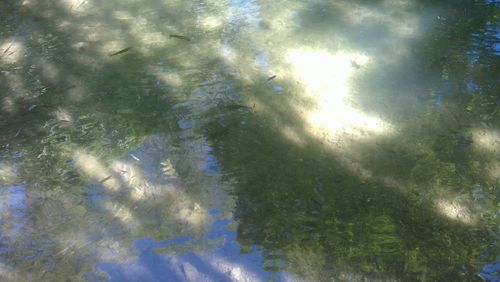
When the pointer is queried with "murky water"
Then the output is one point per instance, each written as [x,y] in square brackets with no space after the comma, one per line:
[245,140]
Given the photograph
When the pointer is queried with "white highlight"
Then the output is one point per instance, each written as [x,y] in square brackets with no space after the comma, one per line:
[455,210]
[326,80]
[488,140]
[11,51]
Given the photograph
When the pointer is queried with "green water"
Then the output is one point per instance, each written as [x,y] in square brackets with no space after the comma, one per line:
[245,140]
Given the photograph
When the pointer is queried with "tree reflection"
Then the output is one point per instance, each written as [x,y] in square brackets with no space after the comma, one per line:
[369,154]
[390,207]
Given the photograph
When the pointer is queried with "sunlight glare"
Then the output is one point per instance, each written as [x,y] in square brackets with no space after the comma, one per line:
[63,115]
[133,177]
[326,80]
[11,51]
[455,210]
[9,105]
[142,188]
[169,77]
[196,216]
[93,167]
[72,241]
[7,173]
[488,140]
[236,271]
[75,6]
[211,23]
[121,212]
[292,135]
[112,249]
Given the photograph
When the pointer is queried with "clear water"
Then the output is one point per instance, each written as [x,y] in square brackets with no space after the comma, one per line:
[245,140]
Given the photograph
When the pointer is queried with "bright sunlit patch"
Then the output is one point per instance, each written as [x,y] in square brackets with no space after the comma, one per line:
[130,174]
[356,168]
[7,173]
[112,249]
[49,70]
[211,23]
[235,270]
[133,177]
[121,212]
[488,140]
[28,3]
[326,80]
[123,15]
[170,78]
[93,167]
[64,25]
[63,115]
[151,38]
[8,105]
[455,210]
[112,47]
[292,135]
[11,51]
[194,215]
[168,170]
[75,6]
[228,54]
[322,72]
[72,241]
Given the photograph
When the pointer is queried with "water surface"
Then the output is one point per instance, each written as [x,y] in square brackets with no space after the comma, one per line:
[249,140]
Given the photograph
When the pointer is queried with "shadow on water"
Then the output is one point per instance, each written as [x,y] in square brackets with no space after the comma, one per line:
[397,207]
[108,148]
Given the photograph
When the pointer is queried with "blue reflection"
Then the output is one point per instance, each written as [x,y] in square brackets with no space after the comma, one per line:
[147,244]
[245,12]
[262,60]
[472,87]
[491,272]
[12,215]
[224,263]
[474,57]
[12,201]
[15,197]
[493,38]
[185,124]
[495,2]
[211,165]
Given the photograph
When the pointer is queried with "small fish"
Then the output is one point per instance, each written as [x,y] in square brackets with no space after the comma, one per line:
[134,157]
[355,65]
[232,107]
[105,179]
[8,48]
[31,108]
[180,37]
[270,78]
[120,52]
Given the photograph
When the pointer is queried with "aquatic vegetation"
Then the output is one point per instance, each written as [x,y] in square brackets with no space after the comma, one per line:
[248,139]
